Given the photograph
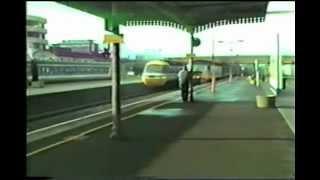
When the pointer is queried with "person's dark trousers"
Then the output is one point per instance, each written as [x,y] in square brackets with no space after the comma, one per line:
[34,71]
[184,91]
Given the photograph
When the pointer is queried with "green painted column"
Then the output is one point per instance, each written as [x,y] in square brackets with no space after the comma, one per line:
[191,71]
[116,109]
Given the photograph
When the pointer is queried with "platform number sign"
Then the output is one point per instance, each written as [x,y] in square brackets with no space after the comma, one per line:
[113,39]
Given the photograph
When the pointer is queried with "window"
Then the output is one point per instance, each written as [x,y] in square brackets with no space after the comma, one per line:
[33,34]
[31,23]
[36,46]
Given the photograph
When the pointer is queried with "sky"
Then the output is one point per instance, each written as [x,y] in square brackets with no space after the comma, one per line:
[65,23]
[257,38]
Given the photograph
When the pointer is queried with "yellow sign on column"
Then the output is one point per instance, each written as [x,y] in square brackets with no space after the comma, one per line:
[113,39]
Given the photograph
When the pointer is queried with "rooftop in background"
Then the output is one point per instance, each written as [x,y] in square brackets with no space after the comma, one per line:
[81,46]
[63,52]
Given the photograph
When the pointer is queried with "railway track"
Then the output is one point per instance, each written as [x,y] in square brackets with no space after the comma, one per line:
[48,105]
[54,135]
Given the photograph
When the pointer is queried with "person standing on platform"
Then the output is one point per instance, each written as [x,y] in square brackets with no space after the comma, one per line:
[34,70]
[183,83]
[213,80]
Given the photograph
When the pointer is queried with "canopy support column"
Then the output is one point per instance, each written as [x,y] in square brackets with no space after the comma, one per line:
[116,103]
[279,66]
[190,97]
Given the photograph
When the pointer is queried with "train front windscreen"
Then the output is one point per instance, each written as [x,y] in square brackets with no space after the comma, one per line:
[157,69]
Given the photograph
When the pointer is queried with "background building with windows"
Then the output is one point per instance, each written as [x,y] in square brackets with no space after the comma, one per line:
[36,33]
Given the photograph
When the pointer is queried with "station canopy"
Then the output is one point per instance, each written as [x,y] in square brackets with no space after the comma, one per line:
[184,13]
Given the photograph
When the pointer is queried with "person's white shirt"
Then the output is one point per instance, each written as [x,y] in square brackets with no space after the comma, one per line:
[182,75]
[213,74]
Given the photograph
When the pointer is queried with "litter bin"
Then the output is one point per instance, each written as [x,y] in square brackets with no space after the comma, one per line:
[266,101]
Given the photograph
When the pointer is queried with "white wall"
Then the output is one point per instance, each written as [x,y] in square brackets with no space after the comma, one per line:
[155,41]
[284,25]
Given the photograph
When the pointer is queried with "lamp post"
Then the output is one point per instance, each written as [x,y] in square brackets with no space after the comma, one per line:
[213,76]
[231,43]
[212,57]
[190,98]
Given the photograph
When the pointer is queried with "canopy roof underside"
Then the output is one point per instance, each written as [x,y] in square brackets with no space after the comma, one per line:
[186,13]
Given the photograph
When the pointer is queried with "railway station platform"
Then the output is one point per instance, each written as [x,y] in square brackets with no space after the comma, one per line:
[285,101]
[219,135]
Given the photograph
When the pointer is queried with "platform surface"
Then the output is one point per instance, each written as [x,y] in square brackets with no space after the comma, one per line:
[219,135]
